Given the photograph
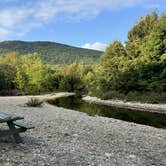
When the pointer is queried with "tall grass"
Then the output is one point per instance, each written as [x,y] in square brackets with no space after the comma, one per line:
[34,102]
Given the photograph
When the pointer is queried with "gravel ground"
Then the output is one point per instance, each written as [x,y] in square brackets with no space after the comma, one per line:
[159,108]
[68,138]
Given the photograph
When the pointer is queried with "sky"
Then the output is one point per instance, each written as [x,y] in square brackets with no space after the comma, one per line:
[92,24]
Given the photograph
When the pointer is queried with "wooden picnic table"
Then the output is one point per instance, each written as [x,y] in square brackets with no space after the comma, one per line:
[15,127]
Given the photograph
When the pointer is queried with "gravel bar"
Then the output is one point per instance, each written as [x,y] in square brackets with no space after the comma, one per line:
[159,108]
[64,137]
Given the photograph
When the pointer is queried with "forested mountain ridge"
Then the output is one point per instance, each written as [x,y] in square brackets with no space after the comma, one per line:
[51,52]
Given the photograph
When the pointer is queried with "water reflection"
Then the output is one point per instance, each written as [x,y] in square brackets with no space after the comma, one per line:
[141,117]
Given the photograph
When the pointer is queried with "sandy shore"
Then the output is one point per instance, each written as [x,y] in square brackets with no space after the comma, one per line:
[159,108]
[65,137]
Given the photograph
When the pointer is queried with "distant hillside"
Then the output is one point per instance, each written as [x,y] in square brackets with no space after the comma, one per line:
[51,52]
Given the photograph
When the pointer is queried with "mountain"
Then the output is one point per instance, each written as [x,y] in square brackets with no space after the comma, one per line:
[51,52]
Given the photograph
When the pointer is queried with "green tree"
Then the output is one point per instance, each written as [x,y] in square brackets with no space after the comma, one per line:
[138,33]
[72,79]
[154,49]
[7,74]
[113,60]
[33,74]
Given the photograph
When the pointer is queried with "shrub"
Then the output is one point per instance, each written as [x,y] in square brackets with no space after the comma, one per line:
[144,97]
[34,102]
[112,95]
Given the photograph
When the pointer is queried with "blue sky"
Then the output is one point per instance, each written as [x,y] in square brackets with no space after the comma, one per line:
[89,23]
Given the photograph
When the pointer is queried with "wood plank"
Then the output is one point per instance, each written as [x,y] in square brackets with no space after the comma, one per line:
[23,125]
[5,117]
[15,118]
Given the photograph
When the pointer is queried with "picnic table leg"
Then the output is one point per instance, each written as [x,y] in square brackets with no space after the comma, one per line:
[16,136]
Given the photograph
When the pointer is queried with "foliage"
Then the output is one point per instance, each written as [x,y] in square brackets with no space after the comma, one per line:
[139,66]
[34,102]
[32,75]
[7,73]
[95,81]
[148,97]
[28,74]
[71,79]
[138,33]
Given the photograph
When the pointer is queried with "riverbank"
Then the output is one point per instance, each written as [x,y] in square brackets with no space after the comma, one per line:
[159,108]
[40,97]
[66,137]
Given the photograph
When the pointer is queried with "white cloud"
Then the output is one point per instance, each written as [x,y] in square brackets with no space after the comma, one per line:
[21,18]
[152,6]
[4,32]
[95,46]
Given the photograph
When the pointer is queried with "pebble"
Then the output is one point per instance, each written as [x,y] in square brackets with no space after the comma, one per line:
[69,138]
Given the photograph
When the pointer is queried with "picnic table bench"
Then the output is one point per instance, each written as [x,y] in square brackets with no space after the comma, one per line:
[15,127]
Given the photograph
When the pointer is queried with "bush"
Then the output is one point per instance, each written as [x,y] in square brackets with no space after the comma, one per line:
[113,95]
[34,102]
[147,97]
[144,97]
[72,84]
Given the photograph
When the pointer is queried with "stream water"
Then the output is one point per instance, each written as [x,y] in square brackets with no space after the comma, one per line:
[136,116]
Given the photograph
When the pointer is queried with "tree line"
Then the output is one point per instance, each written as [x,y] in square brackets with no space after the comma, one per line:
[28,74]
[133,69]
